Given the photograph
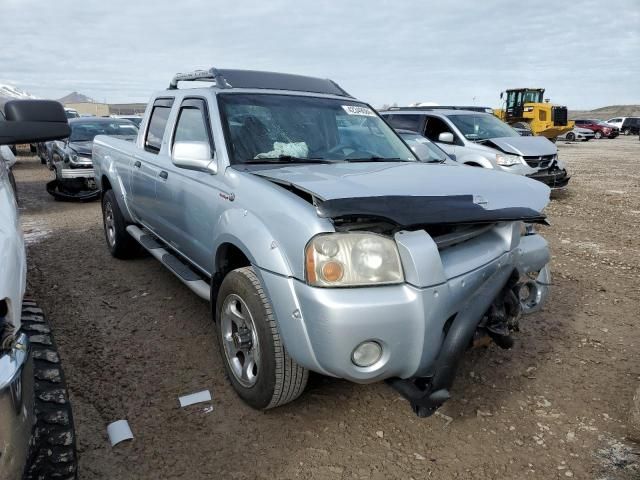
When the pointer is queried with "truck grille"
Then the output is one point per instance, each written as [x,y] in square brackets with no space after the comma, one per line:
[559,116]
[449,235]
[542,161]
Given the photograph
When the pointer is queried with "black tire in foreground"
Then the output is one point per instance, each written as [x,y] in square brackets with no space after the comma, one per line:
[255,360]
[120,243]
[53,446]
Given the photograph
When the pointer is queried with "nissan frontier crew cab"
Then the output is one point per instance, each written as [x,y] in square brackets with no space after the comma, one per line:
[321,241]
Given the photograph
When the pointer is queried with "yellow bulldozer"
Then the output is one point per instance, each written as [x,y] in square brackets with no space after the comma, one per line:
[526,108]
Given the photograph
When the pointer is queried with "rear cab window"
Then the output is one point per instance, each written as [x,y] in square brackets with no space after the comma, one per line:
[157,124]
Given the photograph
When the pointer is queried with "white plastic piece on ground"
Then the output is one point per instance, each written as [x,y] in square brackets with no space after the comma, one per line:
[198,397]
[119,431]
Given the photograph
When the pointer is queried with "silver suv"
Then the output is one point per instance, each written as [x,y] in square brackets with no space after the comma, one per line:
[321,241]
[482,140]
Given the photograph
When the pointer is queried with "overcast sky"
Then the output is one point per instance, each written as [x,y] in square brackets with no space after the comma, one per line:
[586,54]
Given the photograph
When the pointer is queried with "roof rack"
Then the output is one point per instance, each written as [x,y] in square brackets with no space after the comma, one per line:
[211,75]
[473,108]
[226,78]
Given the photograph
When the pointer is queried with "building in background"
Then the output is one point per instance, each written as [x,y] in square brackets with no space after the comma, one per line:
[90,108]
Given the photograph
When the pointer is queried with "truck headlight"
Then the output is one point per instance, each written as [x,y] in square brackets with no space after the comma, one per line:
[507,160]
[352,259]
[74,157]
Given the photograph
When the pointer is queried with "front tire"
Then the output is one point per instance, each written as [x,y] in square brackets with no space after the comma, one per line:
[571,136]
[256,362]
[120,243]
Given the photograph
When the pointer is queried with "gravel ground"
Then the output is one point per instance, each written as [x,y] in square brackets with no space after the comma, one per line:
[133,338]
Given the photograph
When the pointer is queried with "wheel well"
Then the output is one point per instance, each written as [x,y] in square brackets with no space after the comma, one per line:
[228,258]
[106,184]
[474,164]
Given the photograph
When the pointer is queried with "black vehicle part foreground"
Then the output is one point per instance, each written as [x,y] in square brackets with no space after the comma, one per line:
[53,188]
[427,394]
[408,211]
[53,445]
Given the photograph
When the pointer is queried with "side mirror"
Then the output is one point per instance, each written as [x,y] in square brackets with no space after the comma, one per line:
[194,156]
[32,121]
[445,137]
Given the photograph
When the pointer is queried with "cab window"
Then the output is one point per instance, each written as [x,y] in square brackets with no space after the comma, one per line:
[157,125]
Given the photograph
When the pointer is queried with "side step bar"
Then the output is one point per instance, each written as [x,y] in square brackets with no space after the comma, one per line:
[176,266]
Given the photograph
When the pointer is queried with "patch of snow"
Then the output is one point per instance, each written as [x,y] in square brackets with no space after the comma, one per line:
[34,231]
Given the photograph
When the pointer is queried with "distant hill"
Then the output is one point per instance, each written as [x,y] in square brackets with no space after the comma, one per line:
[605,113]
[75,97]
[9,92]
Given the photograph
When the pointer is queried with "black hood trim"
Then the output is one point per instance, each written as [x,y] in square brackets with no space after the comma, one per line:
[408,211]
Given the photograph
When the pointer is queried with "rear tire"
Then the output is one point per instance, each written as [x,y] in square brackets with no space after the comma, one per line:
[256,362]
[120,243]
[53,446]
[598,135]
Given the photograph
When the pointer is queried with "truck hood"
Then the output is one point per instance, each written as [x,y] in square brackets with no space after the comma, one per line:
[81,148]
[525,146]
[414,193]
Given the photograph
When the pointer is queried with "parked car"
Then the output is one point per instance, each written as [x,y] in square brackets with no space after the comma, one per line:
[579,134]
[70,159]
[599,128]
[626,125]
[71,113]
[425,149]
[630,126]
[480,139]
[322,242]
[37,439]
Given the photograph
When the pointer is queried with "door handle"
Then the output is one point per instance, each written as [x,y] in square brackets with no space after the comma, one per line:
[164,175]
[137,164]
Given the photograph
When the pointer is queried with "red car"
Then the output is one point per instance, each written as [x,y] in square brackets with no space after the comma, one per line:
[599,128]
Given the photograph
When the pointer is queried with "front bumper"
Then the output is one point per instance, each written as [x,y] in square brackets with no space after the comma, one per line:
[554,177]
[68,173]
[16,408]
[321,327]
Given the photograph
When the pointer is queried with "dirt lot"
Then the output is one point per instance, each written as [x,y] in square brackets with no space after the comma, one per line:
[133,339]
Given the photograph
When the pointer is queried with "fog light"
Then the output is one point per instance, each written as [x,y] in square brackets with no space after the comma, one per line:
[366,354]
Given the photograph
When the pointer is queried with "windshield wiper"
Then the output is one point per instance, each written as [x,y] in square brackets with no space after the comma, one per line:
[287,159]
[375,159]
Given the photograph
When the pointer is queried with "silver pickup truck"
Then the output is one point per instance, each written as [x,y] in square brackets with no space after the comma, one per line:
[321,241]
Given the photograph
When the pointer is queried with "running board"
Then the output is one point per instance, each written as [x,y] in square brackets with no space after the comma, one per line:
[176,266]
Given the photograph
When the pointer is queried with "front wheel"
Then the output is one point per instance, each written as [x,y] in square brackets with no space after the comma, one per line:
[256,362]
[571,136]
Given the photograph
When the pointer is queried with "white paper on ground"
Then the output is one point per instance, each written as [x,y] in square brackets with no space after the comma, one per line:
[203,396]
[119,431]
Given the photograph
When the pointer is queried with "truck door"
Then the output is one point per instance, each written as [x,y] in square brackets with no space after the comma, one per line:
[188,200]
[145,166]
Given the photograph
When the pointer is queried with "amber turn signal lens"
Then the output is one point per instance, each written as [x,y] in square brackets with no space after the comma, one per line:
[310,265]
[332,271]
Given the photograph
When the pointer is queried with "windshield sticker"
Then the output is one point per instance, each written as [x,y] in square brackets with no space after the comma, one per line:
[353,110]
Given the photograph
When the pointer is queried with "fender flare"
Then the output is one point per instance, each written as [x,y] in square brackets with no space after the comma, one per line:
[249,234]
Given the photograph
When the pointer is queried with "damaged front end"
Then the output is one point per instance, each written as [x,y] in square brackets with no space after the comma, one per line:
[516,284]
